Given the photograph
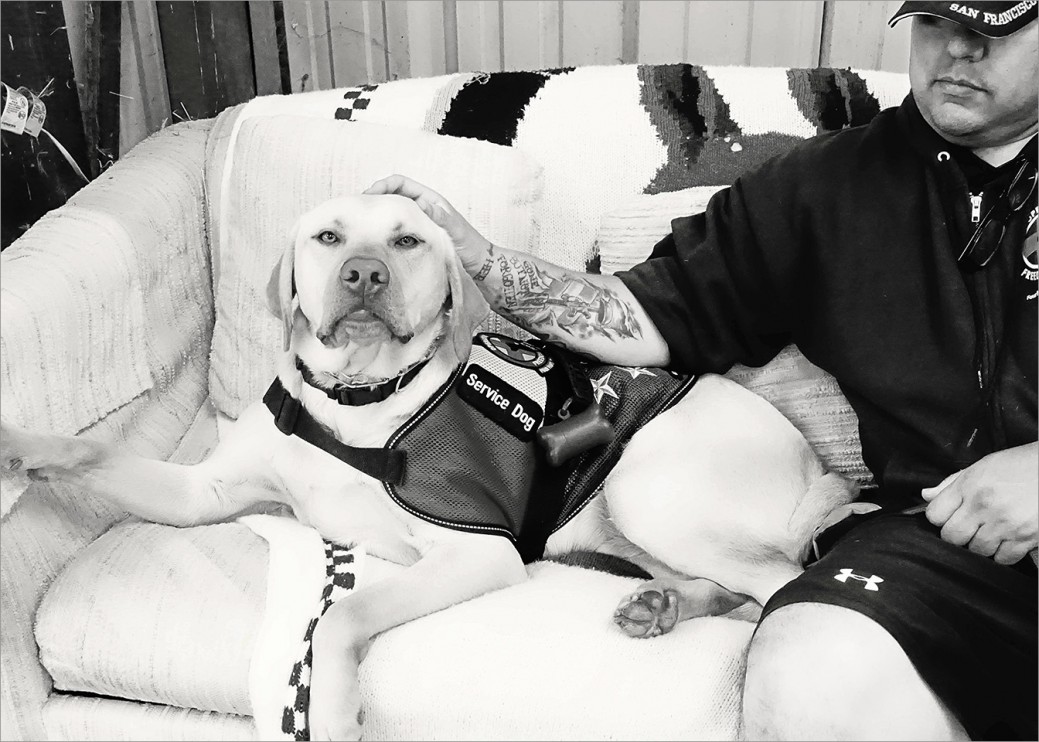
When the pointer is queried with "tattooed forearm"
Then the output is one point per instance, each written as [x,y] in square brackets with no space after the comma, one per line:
[485,269]
[542,300]
[508,282]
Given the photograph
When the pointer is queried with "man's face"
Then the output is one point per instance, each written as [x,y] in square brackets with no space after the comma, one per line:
[973,90]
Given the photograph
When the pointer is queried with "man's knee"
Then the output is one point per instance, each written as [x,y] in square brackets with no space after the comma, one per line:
[818,671]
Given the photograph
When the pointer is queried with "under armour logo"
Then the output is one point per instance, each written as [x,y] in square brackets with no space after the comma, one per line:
[871,582]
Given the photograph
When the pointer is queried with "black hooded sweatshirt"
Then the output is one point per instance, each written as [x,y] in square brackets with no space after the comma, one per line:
[847,246]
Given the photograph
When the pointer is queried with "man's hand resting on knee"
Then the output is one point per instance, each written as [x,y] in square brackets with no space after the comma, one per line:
[991,507]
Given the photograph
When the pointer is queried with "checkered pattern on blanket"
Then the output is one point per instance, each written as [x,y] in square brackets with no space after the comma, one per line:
[698,113]
[339,581]
[354,99]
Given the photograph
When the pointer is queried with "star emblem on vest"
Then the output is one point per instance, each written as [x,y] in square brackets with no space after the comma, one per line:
[637,371]
[601,388]
[871,582]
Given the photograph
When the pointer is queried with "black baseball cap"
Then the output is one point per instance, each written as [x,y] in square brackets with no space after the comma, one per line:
[992,19]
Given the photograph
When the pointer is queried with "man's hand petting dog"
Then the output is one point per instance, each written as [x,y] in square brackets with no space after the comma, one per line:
[990,507]
[472,247]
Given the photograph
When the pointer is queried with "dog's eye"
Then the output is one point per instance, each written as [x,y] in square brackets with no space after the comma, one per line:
[406,241]
[328,237]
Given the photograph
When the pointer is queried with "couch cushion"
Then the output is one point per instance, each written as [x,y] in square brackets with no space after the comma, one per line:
[808,396]
[169,615]
[87,719]
[154,613]
[543,660]
[628,233]
[281,166]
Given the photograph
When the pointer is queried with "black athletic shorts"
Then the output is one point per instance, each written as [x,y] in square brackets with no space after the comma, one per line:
[968,624]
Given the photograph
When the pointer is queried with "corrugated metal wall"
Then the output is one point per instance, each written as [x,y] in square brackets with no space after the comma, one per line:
[345,43]
[299,45]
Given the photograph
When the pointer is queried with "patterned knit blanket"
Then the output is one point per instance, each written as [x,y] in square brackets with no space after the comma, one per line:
[604,134]
[306,575]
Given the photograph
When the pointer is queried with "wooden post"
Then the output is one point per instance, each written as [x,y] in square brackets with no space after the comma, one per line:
[266,64]
[209,64]
[826,37]
[145,107]
[630,32]
[450,36]
[109,40]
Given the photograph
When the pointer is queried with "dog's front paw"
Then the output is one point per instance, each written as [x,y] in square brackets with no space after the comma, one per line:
[335,702]
[43,455]
[335,697]
[332,722]
[16,449]
[649,611]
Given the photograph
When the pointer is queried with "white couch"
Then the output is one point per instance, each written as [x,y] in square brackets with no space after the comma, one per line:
[135,314]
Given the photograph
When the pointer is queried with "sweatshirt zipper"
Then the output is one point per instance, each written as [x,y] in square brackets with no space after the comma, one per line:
[978,286]
[975,207]
[983,354]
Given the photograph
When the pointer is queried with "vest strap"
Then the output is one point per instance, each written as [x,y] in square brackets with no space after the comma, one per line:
[292,418]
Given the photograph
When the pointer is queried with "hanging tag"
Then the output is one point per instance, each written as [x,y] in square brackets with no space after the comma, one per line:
[575,435]
[37,113]
[16,111]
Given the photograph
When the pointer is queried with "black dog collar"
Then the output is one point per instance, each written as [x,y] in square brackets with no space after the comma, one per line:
[356,396]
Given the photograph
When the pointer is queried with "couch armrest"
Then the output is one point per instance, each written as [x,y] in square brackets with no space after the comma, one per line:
[105,298]
[106,316]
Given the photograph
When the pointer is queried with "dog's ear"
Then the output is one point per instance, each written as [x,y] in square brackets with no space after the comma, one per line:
[468,307]
[281,287]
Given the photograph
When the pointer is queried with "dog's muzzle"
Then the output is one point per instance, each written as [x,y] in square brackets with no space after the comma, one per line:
[364,276]
[360,310]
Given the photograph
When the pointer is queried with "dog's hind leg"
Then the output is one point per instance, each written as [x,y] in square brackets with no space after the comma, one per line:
[657,606]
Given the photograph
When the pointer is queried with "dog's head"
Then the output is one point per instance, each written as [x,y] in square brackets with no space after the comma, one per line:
[373,270]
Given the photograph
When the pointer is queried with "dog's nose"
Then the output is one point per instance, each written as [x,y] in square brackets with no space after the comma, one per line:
[364,275]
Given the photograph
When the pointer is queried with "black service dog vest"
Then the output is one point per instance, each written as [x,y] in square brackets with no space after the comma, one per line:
[473,461]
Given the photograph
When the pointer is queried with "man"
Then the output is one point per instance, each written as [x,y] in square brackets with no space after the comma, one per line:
[892,255]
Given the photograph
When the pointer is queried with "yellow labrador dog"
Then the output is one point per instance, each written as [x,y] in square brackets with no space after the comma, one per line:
[720,486]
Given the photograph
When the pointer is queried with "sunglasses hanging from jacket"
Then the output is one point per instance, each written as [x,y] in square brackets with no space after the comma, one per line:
[992,227]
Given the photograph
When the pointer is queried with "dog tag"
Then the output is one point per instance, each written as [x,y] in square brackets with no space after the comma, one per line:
[575,435]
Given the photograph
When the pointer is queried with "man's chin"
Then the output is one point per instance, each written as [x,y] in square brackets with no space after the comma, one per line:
[957,120]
